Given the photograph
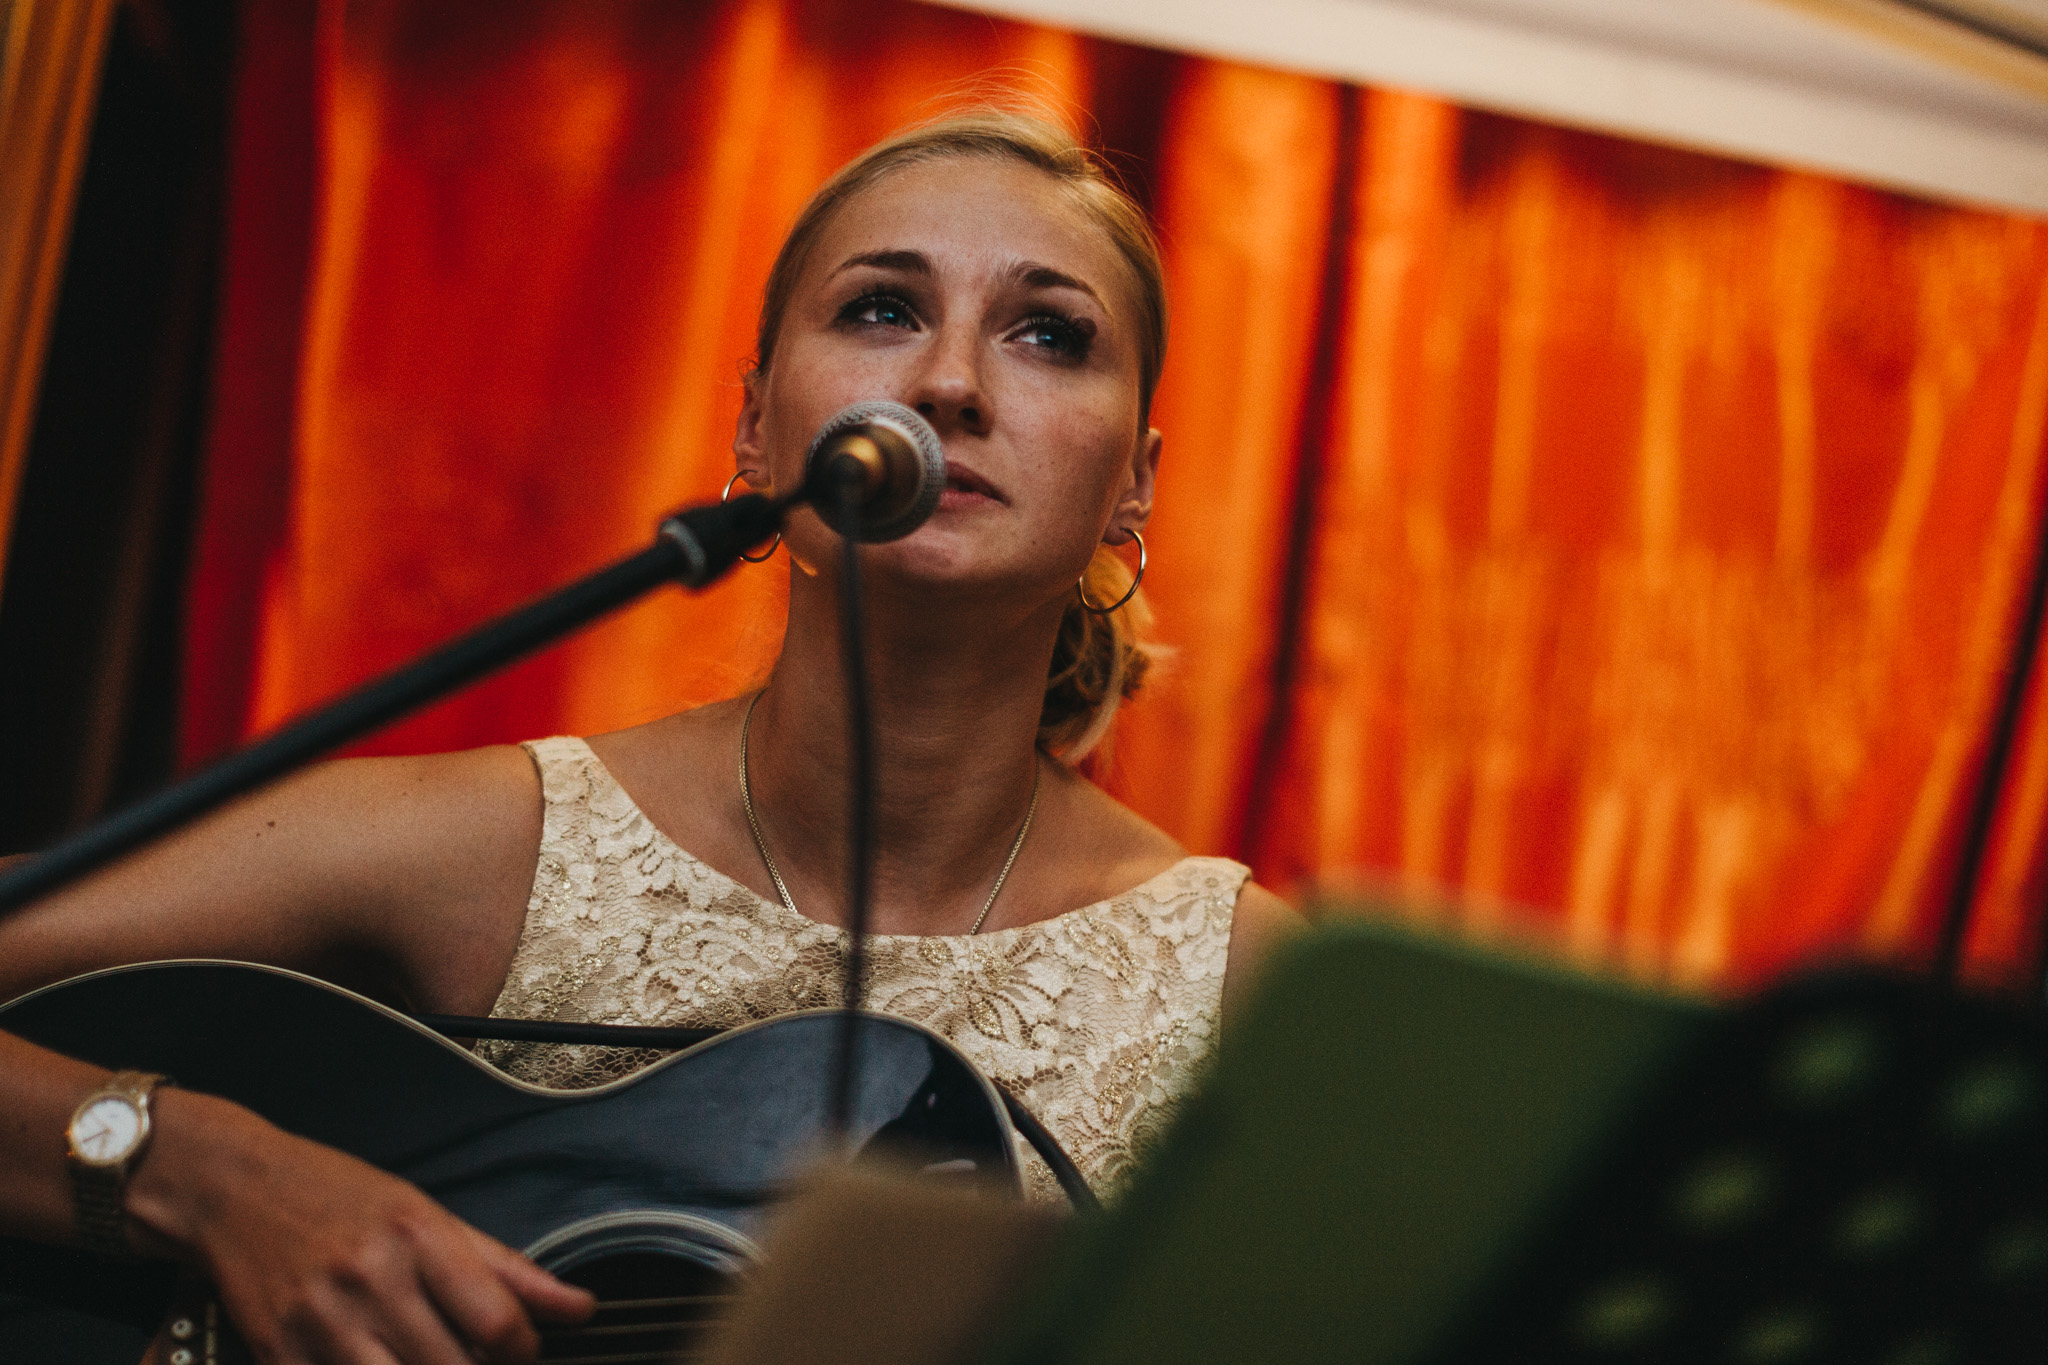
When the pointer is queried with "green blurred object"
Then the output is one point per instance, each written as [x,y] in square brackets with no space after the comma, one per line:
[1379,1137]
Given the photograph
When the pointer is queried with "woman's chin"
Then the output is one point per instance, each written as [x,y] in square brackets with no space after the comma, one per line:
[957,554]
[941,566]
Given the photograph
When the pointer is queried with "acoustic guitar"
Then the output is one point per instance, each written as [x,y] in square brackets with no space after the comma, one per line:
[649,1191]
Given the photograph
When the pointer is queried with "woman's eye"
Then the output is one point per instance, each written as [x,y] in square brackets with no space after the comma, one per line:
[879,310]
[1067,337]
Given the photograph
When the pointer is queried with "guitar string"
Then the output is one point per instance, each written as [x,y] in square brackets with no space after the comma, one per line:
[666,1301]
[615,1329]
[586,1329]
[560,1334]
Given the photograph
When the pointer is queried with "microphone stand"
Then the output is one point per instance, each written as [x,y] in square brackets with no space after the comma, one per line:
[694,547]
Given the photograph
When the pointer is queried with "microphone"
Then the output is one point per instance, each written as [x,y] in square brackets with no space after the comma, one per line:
[895,457]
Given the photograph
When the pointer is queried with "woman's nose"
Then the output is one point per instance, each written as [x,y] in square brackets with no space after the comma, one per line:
[948,390]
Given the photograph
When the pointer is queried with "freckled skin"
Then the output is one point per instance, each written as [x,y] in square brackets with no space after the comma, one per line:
[1056,434]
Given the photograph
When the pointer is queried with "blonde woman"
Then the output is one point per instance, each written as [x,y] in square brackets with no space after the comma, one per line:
[984,271]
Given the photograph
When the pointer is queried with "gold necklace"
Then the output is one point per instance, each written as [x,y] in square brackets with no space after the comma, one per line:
[775,875]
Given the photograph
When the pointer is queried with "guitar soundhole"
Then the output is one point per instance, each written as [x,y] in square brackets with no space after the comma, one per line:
[662,1280]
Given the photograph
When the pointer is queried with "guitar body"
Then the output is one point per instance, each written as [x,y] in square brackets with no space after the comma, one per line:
[652,1187]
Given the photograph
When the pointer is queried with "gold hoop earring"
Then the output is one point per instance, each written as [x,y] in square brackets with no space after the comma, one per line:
[1081,589]
[766,554]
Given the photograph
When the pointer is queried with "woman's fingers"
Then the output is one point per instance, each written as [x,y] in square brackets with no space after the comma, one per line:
[359,1350]
[474,1295]
[419,1335]
[322,1259]
[545,1297]
[315,1324]
[414,1293]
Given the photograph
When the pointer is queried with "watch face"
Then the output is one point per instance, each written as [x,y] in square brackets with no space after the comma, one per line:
[106,1130]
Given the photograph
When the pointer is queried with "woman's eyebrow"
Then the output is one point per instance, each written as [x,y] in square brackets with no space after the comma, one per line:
[916,262]
[1036,276]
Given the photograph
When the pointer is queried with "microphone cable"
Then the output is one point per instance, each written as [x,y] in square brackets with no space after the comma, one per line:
[846,497]
[860,803]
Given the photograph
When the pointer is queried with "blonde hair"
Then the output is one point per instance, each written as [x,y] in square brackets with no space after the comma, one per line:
[1097,661]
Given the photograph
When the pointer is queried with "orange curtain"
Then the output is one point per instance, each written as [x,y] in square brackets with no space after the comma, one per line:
[1623,542]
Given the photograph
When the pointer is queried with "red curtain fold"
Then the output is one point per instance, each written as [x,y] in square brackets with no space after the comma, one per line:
[1597,539]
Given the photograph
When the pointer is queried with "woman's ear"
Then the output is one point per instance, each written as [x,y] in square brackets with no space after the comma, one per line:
[747,444]
[1134,507]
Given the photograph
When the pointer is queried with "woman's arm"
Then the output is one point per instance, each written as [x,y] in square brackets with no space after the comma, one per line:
[405,878]
[316,1256]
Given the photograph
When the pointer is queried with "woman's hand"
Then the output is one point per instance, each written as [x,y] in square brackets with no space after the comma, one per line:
[319,1257]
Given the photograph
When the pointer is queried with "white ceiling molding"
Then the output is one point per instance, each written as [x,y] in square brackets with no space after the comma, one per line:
[2017,21]
[1989,39]
[1945,98]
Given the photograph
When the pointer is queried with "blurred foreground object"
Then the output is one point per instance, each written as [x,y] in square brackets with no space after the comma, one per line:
[863,1267]
[1417,1152]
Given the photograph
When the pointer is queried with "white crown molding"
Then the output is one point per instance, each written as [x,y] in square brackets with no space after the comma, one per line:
[1759,79]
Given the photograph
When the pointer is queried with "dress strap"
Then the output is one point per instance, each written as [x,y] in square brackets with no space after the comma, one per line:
[570,776]
[557,759]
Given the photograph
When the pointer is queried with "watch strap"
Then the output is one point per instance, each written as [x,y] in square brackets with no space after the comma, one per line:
[98,1207]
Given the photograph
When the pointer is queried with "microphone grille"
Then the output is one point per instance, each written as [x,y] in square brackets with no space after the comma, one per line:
[916,463]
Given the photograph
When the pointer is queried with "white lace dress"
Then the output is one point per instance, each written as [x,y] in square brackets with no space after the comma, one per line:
[1097,1019]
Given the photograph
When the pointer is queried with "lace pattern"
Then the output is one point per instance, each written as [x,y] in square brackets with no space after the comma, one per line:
[1097,1019]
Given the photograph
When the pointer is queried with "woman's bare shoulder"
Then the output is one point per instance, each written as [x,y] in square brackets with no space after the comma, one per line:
[1128,850]
[423,826]
[1108,847]
[1260,925]
[685,741]
[440,849]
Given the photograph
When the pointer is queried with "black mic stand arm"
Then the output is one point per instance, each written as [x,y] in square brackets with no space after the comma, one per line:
[694,548]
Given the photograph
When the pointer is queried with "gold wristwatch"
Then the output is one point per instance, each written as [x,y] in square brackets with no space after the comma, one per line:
[108,1135]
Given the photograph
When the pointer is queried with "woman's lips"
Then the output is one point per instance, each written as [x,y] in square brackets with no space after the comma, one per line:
[964,486]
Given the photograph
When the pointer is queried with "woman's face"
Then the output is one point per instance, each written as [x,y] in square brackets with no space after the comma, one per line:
[978,293]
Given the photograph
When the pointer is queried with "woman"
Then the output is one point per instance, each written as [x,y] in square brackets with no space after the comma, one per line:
[985,272]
